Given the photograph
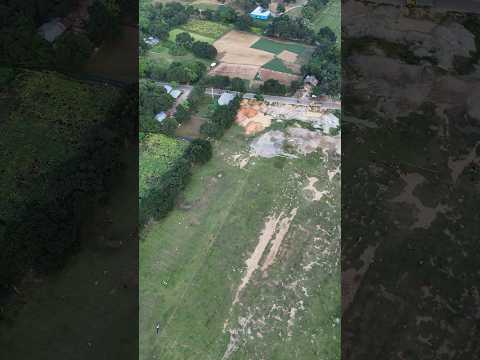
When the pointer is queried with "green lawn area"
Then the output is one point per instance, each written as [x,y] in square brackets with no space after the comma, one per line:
[330,16]
[157,154]
[197,37]
[276,47]
[161,55]
[208,29]
[277,64]
[192,262]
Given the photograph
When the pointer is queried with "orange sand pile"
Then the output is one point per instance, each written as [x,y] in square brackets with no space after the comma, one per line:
[251,116]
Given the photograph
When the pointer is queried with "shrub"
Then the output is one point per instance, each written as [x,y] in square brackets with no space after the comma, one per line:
[273,87]
[200,151]
[204,50]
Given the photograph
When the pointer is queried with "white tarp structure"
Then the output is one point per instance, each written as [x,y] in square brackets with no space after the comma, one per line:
[51,30]
[225,99]
[161,116]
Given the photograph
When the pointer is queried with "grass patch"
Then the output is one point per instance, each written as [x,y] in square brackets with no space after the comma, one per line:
[276,47]
[195,258]
[173,34]
[277,64]
[161,54]
[330,16]
[157,155]
[208,29]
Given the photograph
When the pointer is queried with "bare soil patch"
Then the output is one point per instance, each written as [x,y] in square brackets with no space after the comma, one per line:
[283,78]
[235,48]
[288,56]
[246,72]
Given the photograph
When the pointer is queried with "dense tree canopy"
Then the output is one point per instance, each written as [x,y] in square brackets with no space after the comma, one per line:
[273,87]
[204,50]
[285,27]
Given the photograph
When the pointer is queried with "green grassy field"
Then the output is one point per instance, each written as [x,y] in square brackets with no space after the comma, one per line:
[330,16]
[276,47]
[197,37]
[157,154]
[277,64]
[192,262]
[207,29]
[162,56]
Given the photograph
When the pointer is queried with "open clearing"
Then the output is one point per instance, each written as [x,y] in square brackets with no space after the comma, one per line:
[244,55]
[235,48]
[248,264]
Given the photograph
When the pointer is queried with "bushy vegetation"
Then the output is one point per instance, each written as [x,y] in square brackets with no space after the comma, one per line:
[273,87]
[165,169]
[62,135]
[287,28]
[325,65]
[225,82]
[221,119]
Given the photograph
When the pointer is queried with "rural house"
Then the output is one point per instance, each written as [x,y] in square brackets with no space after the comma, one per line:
[260,13]
[312,80]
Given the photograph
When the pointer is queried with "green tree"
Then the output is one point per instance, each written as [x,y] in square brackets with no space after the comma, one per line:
[204,50]
[273,87]
[185,40]
[73,51]
[104,21]
[243,23]
[238,85]
[326,36]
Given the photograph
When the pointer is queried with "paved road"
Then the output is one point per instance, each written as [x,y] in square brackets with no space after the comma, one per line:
[281,99]
[268,98]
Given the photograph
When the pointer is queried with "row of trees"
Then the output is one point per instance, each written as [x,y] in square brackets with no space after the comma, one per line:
[181,72]
[285,27]
[201,49]
[325,64]
[224,82]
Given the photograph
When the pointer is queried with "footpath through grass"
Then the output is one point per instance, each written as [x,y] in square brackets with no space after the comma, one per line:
[192,262]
